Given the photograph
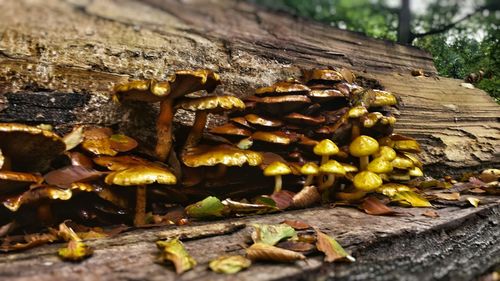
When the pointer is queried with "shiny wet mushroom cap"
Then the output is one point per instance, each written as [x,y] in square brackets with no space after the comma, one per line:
[283,88]
[301,119]
[380,166]
[310,170]
[325,149]
[277,169]
[322,75]
[282,104]
[204,155]
[230,130]
[262,122]
[29,149]
[272,137]
[37,193]
[367,181]
[362,147]
[15,181]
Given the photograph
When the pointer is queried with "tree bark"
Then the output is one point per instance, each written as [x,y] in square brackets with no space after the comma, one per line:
[404,23]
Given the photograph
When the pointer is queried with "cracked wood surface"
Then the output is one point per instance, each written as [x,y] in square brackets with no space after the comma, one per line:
[81,48]
[460,244]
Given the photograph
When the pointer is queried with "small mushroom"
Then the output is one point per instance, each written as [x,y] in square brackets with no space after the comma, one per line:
[325,149]
[385,152]
[178,85]
[362,147]
[355,114]
[331,168]
[311,170]
[402,162]
[277,169]
[367,181]
[29,149]
[376,98]
[141,176]
[380,166]
[202,106]
[415,172]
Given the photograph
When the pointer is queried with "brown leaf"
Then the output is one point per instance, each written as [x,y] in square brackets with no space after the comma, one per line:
[31,241]
[64,177]
[373,206]
[332,249]
[264,252]
[298,225]
[302,247]
[454,196]
[283,199]
[430,214]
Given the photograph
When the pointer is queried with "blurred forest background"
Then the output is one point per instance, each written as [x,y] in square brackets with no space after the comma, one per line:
[462,35]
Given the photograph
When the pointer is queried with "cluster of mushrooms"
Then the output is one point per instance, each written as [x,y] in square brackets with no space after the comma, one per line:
[293,144]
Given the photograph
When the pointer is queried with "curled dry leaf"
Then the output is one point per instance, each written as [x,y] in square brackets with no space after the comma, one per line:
[75,251]
[239,208]
[174,251]
[67,233]
[74,138]
[229,264]
[332,249]
[265,252]
[410,198]
[373,206]
[65,176]
[30,241]
[474,201]
[271,234]
[297,246]
[296,224]
[308,196]
[210,207]
[430,214]
[283,199]
[454,196]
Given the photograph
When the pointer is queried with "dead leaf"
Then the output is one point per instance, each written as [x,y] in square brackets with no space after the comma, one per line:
[283,199]
[241,208]
[474,201]
[332,249]
[271,234]
[296,224]
[210,207]
[296,246]
[30,241]
[265,252]
[430,214]
[64,177]
[73,138]
[174,251]
[229,264]
[67,233]
[75,251]
[308,196]
[373,206]
[454,196]
[410,198]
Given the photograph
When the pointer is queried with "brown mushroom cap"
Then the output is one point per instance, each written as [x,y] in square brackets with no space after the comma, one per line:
[222,154]
[14,181]
[283,87]
[143,90]
[300,119]
[282,104]
[324,95]
[97,141]
[367,181]
[35,194]
[117,163]
[141,175]
[230,130]
[212,103]
[29,148]
[322,75]
[272,137]
[241,121]
[260,121]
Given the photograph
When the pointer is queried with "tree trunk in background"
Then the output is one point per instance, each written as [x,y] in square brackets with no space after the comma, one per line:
[404,20]
[59,61]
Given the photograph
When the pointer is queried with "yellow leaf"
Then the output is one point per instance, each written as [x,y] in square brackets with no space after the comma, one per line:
[410,198]
[173,250]
[265,252]
[332,249]
[229,264]
[75,251]
[474,201]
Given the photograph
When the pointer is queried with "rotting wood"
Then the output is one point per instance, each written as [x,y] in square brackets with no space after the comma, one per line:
[458,245]
[85,47]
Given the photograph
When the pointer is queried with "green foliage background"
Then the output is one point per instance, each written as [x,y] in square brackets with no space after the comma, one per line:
[467,47]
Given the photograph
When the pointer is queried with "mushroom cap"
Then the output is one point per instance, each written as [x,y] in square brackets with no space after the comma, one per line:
[301,119]
[277,169]
[407,146]
[357,111]
[377,98]
[385,152]
[415,172]
[326,147]
[332,167]
[310,168]
[402,162]
[14,181]
[380,166]
[37,193]
[414,158]
[117,163]
[390,189]
[306,141]
[272,137]
[241,121]
[98,141]
[363,146]
[204,155]
[367,181]
[254,119]
[282,104]
[212,103]
[369,120]
[230,130]
[179,84]
[323,75]
[30,149]
[324,95]
[283,87]
[349,168]
[141,175]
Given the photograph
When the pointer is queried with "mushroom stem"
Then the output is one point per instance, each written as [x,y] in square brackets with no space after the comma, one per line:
[355,131]
[164,129]
[328,183]
[363,162]
[196,132]
[309,180]
[278,183]
[140,206]
[44,214]
[324,159]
